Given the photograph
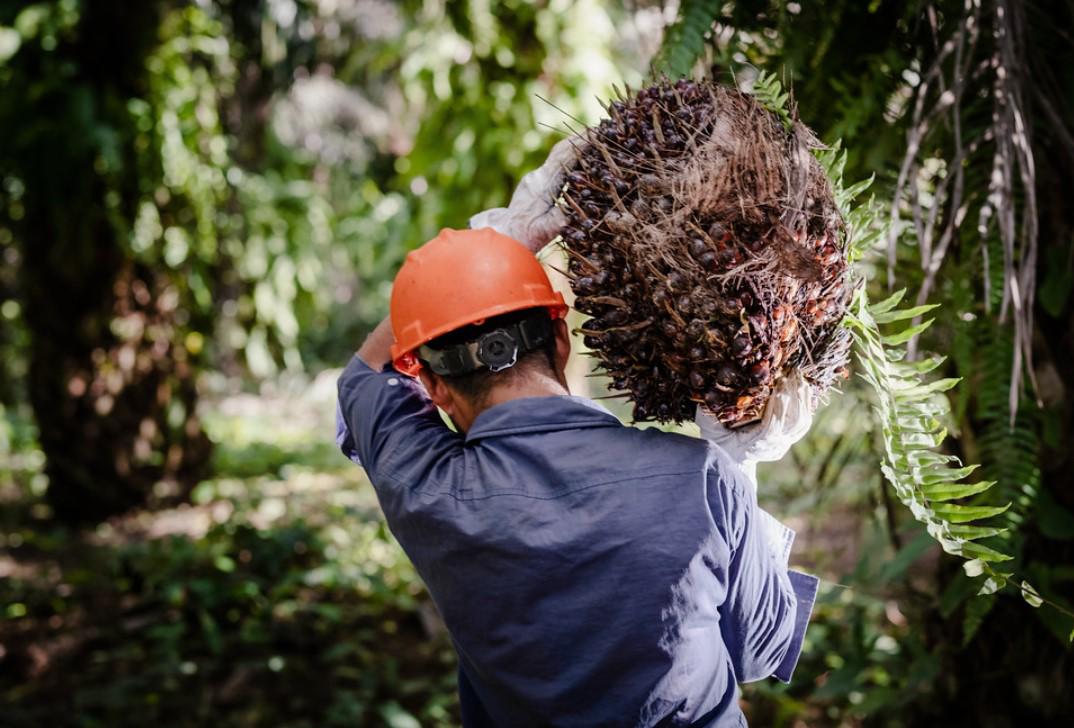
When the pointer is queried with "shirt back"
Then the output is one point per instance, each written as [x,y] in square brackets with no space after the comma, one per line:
[589,573]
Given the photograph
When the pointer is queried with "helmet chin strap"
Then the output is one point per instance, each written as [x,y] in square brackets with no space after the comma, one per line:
[494,350]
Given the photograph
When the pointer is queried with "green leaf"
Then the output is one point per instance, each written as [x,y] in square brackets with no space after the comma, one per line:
[992,585]
[906,334]
[1030,594]
[977,552]
[962,514]
[684,42]
[906,556]
[903,314]
[857,188]
[947,475]
[926,365]
[925,390]
[972,533]
[888,303]
[928,457]
[951,491]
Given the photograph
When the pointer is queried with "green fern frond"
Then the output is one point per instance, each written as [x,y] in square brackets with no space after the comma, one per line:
[862,231]
[684,41]
[769,91]
[909,408]
[1010,452]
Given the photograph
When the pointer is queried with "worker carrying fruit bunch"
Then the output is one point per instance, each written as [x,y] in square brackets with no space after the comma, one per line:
[589,573]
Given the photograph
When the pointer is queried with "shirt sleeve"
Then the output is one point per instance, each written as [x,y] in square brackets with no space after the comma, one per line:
[805,593]
[343,436]
[765,614]
[386,422]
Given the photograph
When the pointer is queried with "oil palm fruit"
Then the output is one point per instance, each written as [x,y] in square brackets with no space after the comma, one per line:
[705,244]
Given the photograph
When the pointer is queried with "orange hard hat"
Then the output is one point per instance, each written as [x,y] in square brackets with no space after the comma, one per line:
[459,278]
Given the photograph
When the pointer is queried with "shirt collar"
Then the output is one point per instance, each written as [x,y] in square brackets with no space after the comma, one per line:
[540,414]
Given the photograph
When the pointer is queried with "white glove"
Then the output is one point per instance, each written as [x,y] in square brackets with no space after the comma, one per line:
[532,217]
[787,418]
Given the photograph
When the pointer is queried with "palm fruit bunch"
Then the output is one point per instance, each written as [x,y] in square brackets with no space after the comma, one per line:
[706,245]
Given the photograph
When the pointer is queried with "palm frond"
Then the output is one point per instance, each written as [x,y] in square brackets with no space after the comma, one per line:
[909,407]
[985,49]
[769,91]
[685,40]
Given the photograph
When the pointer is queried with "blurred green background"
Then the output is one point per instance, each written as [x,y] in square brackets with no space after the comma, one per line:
[203,203]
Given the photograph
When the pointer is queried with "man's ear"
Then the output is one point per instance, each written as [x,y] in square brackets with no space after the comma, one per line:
[563,344]
[439,392]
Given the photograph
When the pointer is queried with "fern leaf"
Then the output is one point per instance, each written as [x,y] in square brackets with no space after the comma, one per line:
[888,303]
[948,475]
[972,533]
[903,314]
[925,390]
[769,91]
[906,334]
[963,514]
[952,491]
[926,365]
[908,407]
[684,41]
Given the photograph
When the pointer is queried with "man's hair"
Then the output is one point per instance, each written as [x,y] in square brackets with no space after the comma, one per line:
[476,385]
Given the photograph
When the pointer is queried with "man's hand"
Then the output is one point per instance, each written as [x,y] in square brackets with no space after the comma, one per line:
[376,350]
[532,217]
[787,418]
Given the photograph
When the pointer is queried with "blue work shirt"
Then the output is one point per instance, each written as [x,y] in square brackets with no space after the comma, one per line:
[589,573]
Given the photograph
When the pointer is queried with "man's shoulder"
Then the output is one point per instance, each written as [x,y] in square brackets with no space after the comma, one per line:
[649,448]
[679,452]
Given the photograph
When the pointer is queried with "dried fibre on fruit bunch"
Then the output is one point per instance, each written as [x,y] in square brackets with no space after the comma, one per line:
[706,244]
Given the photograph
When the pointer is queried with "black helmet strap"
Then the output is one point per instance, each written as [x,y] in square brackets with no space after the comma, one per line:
[497,350]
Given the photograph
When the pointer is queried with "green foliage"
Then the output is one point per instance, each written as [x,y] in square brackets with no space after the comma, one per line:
[262,180]
[867,668]
[909,409]
[281,177]
[911,412]
[286,610]
[686,39]
[282,255]
[769,91]
[1009,451]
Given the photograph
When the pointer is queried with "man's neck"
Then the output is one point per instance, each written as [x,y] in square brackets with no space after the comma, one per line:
[535,385]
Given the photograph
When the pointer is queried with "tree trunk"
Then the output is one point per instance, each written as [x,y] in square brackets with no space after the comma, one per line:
[110,384]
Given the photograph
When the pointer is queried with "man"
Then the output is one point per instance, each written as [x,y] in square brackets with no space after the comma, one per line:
[590,574]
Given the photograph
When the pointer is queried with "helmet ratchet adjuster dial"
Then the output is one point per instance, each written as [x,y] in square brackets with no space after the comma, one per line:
[495,350]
